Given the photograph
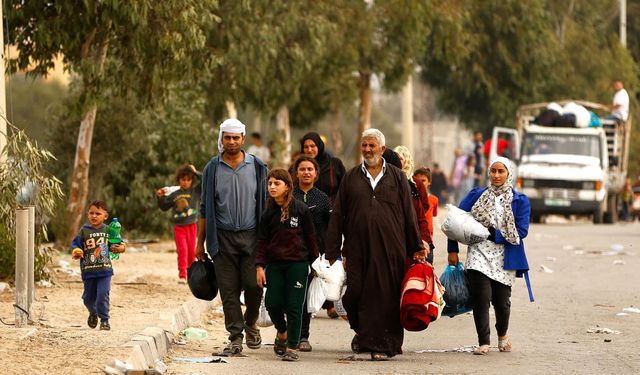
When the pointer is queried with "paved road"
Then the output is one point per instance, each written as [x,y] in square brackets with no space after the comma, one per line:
[589,280]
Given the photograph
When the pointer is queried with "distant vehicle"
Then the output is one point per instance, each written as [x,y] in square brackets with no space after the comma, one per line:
[568,169]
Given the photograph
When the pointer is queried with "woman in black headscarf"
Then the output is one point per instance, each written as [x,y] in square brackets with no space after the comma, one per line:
[331,168]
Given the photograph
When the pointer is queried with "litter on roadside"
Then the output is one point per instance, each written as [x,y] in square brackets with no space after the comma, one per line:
[545,269]
[195,333]
[578,252]
[619,262]
[631,310]
[4,286]
[551,259]
[44,283]
[622,314]
[199,359]
[607,331]
[461,349]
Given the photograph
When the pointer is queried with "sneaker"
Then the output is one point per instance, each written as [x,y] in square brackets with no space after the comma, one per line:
[304,346]
[232,349]
[253,338]
[104,326]
[290,356]
[332,313]
[92,321]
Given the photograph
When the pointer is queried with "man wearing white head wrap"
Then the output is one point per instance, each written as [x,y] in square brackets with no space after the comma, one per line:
[492,265]
[234,191]
[231,125]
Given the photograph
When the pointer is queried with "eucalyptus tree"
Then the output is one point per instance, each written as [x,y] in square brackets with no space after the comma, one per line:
[135,46]
[388,37]
[488,58]
[268,50]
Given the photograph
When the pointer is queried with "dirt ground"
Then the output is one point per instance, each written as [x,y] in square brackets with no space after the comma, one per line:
[584,278]
[144,290]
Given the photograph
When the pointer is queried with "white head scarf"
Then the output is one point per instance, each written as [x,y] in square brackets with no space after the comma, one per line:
[507,163]
[231,125]
[485,207]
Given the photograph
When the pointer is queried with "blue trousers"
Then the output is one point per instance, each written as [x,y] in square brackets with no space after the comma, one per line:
[96,296]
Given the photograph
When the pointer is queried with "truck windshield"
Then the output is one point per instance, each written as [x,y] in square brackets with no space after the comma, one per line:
[566,144]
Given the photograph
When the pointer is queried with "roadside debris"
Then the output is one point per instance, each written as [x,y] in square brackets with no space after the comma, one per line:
[545,269]
[551,259]
[4,286]
[200,359]
[461,349]
[634,310]
[607,331]
[619,262]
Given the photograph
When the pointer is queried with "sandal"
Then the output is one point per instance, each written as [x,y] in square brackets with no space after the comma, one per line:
[304,346]
[375,356]
[481,350]
[280,346]
[354,344]
[504,345]
[332,313]
[290,356]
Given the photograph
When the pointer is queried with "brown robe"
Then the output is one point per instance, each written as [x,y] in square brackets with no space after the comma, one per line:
[380,230]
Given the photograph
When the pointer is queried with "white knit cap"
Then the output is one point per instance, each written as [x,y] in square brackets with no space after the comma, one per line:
[230,125]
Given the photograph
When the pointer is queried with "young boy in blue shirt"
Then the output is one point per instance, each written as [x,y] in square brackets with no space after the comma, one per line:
[92,247]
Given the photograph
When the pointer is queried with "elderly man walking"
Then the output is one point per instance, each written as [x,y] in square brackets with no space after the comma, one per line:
[234,192]
[373,211]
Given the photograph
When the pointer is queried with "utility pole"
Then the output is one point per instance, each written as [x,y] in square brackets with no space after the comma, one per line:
[623,23]
[3,100]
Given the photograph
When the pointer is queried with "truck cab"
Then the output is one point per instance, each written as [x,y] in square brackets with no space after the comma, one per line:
[568,170]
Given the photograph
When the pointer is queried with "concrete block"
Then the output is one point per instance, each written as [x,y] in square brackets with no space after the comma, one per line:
[161,339]
[151,342]
[136,358]
[149,361]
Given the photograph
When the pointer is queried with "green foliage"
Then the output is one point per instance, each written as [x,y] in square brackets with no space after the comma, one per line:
[24,181]
[486,69]
[135,152]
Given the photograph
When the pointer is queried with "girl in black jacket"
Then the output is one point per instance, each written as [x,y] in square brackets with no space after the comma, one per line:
[286,246]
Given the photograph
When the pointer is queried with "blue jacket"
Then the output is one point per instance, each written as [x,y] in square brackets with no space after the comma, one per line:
[208,201]
[514,256]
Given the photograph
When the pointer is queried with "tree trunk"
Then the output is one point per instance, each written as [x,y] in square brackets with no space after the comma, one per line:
[364,114]
[336,133]
[80,177]
[231,109]
[283,143]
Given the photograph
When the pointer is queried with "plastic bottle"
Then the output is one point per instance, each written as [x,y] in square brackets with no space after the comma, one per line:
[195,333]
[114,236]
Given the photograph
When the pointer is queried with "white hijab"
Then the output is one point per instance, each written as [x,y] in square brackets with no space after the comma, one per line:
[485,207]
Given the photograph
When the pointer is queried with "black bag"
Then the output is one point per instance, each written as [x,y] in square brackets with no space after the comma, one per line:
[548,117]
[567,119]
[201,277]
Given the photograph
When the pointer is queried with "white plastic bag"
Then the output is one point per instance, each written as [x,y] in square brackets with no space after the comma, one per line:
[333,275]
[316,295]
[264,320]
[460,226]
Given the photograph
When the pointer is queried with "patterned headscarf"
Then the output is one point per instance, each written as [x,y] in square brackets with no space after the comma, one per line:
[484,208]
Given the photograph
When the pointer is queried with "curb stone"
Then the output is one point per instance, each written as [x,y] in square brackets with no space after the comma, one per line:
[150,345]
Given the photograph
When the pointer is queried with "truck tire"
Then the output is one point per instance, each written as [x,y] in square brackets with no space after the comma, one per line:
[597,216]
[611,216]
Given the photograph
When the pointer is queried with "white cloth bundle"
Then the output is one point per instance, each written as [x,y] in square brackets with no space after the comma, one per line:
[460,226]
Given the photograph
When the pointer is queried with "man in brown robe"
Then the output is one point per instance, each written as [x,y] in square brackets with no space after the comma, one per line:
[373,211]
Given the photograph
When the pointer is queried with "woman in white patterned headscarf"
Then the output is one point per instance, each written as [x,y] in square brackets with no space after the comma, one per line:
[493,264]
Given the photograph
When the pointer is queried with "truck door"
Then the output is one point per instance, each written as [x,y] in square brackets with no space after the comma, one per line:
[504,142]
